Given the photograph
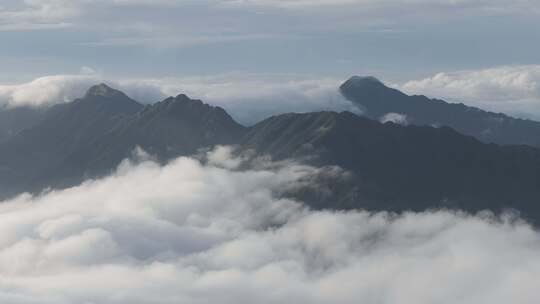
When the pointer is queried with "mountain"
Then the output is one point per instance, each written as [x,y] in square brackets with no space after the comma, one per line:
[170,128]
[14,120]
[406,167]
[377,100]
[64,128]
[386,166]
[90,136]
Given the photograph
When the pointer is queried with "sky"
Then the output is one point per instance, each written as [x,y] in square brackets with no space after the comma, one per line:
[461,50]
[394,39]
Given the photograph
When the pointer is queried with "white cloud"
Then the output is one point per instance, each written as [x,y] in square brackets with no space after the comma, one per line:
[508,89]
[194,233]
[397,118]
[248,97]
[47,90]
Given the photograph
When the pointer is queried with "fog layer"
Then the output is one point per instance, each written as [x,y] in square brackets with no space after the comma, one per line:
[208,231]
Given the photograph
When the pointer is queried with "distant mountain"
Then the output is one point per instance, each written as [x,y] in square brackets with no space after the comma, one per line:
[389,166]
[377,100]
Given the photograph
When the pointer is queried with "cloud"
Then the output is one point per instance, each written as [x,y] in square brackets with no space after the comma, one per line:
[248,97]
[508,89]
[47,90]
[190,232]
[107,15]
[87,70]
[397,118]
[177,41]
[39,14]
[252,97]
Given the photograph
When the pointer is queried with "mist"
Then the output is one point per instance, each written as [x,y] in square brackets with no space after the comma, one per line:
[215,228]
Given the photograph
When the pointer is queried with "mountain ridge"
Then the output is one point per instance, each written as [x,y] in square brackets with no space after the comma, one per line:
[173,127]
[392,167]
[376,99]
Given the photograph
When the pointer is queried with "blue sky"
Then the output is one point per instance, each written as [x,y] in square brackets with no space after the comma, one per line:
[398,41]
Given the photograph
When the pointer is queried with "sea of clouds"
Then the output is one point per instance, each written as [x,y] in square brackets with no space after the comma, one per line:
[214,230]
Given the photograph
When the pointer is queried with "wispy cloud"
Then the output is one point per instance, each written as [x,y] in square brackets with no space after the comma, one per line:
[39,14]
[177,41]
[216,14]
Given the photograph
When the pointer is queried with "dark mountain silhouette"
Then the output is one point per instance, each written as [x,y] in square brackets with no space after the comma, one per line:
[65,128]
[376,100]
[406,168]
[15,119]
[390,167]
[90,136]
[170,128]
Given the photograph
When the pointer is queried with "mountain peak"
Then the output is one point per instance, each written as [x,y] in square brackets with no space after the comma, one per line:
[184,107]
[364,82]
[371,79]
[180,103]
[105,99]
[184,99]
[372,96]
[102,90]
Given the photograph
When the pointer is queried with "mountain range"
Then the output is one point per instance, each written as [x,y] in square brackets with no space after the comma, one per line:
[444,157]
[377,100]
